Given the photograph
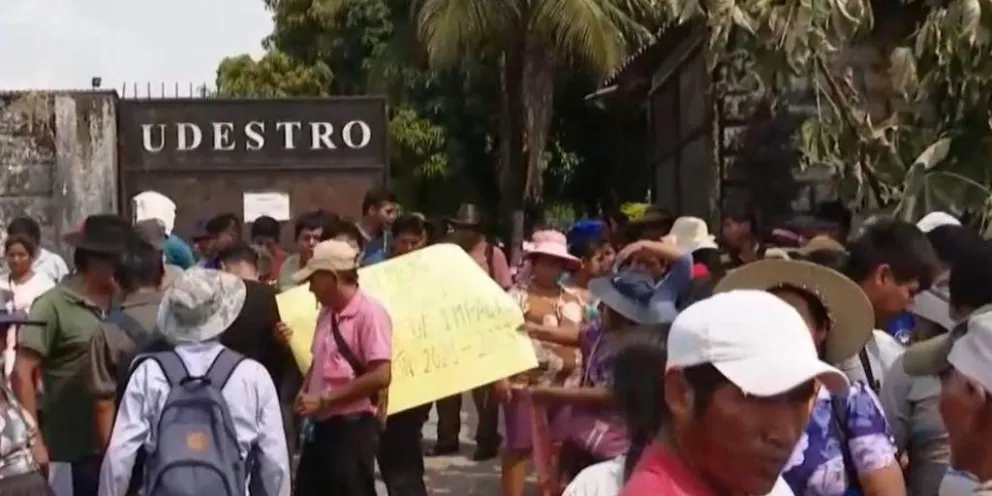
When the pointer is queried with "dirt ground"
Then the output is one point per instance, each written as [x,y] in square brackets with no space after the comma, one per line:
[458,475]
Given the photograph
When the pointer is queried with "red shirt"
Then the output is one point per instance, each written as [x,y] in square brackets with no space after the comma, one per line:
[700,270]
[661,472]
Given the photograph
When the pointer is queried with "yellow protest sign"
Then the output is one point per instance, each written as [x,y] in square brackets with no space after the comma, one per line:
[454,328]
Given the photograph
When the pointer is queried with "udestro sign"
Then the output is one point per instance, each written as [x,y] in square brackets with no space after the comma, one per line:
[331,132]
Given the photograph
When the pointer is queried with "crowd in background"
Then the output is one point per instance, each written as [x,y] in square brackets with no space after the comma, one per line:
[809,360]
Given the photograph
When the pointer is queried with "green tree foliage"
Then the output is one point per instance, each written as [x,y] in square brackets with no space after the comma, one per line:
[275,75]
[448,116]
[531,40]
[362,49]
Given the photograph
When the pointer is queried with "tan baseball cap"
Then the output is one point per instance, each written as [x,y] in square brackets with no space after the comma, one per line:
[332,255]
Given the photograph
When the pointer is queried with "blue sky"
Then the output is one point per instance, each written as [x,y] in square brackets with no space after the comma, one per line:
[61,44]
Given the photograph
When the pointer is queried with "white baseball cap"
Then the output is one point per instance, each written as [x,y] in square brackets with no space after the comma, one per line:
[755,339]
[933,220]
[934,304]
[971,354]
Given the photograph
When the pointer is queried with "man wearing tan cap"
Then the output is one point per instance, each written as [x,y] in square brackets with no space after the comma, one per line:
[352,348]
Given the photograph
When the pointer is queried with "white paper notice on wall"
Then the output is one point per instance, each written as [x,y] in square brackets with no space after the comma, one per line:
[275,204]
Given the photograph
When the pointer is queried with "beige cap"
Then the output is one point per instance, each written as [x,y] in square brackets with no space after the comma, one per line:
[332,255]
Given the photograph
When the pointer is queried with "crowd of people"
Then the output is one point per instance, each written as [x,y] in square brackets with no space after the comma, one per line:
[821,363]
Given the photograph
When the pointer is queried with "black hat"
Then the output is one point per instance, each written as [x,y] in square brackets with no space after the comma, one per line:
[103,233]
[17,318]
[468,215]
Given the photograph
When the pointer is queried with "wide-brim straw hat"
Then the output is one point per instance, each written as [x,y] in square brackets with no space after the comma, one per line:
[852,318]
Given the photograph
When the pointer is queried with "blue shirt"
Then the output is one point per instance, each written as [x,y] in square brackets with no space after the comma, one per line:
[178,253]
[375,250]
[901,327]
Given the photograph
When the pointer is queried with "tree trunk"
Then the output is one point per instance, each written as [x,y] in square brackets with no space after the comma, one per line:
[513,167]
[538,88]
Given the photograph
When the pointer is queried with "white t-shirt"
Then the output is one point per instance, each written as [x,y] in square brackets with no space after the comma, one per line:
[606,479]
[883,350]
[23,295]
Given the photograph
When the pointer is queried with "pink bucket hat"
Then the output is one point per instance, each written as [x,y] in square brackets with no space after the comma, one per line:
[550,243]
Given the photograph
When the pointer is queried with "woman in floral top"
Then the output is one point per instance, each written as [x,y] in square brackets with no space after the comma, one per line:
[22,457]
[846,449]
[549,309]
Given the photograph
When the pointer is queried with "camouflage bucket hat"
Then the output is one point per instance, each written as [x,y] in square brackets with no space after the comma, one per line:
[200,305]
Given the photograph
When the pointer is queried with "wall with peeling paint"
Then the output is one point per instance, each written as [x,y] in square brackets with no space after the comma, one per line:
[58,159]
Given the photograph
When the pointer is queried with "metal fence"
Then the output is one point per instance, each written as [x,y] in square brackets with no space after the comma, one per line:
[162,89]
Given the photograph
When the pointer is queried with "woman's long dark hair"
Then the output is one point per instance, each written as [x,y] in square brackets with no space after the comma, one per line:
[638,387]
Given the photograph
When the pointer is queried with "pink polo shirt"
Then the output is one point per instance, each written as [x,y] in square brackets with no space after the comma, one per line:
[368,330]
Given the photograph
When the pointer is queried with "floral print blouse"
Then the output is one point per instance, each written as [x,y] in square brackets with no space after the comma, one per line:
[816,467]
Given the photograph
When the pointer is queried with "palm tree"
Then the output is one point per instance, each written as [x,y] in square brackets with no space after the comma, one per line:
[530,39]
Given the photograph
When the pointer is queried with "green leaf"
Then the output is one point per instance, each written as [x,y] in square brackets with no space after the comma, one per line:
[933,155]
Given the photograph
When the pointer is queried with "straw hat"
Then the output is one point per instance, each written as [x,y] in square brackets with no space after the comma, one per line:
[550,243]
[691,234]
[851,315]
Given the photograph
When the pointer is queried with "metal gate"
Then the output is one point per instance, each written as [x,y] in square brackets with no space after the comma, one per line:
[206,154]
[682,123]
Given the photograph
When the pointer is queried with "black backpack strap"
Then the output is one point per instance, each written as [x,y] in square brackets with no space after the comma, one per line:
[172,366]
[839,423]
[129,325]
[220,371]
[869,373]
[346,352]
[356,365]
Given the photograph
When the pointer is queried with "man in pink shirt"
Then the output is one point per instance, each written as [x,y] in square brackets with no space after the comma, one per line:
[352,348]
[741,373]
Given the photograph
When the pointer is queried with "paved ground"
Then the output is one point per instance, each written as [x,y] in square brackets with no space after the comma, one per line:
[458,475]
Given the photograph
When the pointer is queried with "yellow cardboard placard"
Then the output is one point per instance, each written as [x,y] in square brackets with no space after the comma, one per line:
[454,328]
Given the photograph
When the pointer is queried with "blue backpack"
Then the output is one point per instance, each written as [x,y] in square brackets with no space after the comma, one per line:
[196,448]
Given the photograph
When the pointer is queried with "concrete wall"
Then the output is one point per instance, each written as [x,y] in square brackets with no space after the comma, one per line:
[58,159]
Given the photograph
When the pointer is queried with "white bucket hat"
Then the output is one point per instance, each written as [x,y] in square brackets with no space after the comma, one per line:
[755,339]
[691,234]
[200,305]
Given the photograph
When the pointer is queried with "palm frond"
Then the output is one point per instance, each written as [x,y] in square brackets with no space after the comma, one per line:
[588,30]
[452,28]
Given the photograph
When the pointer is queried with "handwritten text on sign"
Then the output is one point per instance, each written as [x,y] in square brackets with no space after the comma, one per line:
[453,327]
